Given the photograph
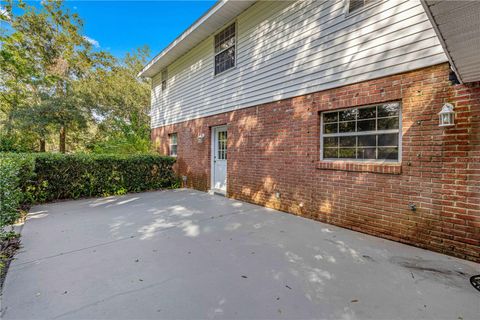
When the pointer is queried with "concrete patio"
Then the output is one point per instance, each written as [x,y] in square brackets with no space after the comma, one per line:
[186,254]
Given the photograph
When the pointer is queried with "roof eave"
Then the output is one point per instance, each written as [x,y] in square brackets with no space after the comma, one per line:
[441,39]
[455,23]
[207,21]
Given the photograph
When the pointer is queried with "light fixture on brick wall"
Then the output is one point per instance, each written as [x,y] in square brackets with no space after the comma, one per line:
[201,137]
[446,116]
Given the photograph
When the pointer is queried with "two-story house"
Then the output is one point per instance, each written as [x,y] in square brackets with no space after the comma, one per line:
[330,110]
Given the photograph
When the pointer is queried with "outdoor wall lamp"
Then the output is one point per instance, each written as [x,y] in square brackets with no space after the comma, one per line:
[446,116]
[201,137]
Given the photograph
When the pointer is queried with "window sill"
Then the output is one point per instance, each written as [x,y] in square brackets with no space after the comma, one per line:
[360,10]
[354,166]
[218,75]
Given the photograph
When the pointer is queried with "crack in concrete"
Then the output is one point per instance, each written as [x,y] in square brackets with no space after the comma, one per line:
[95,303]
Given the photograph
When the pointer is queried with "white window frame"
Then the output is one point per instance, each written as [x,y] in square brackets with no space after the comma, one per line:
[235,45]
[163,79]
[170,144]
[359,10]
[363,133]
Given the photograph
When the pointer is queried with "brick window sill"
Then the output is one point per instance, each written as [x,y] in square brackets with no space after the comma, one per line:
[354,166]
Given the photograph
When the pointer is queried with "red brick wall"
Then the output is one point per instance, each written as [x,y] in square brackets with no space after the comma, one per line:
[275,148]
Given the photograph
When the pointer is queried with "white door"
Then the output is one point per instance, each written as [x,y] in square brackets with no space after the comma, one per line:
[219,159]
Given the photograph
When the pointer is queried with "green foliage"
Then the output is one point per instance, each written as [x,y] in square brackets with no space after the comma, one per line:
[41,59]
[15,142]
[58,176]
[16,170]
[10,193]
[123,145]
[120,100]
[125,138]
[85,175]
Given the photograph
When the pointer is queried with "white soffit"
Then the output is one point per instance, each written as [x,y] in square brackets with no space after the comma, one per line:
[457,24]
[215,18]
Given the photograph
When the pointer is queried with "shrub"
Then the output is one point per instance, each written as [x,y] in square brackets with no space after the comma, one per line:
[74,176]
[10,193]
[16,170]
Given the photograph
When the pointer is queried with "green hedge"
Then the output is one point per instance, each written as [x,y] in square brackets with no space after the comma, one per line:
[16,171]
[85,175]
[42,177]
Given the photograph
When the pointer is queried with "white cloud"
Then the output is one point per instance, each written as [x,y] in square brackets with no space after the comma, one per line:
[93,42]
[4,12]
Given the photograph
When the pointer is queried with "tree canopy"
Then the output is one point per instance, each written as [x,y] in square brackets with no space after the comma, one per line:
[59,92]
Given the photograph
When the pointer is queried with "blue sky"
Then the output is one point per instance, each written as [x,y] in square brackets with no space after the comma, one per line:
[121,26]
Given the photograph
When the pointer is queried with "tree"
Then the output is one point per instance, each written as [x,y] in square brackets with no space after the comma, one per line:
[17,73]
[42,59]
[120,103]
[54,82]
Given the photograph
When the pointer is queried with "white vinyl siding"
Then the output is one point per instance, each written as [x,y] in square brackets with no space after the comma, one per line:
[286,49]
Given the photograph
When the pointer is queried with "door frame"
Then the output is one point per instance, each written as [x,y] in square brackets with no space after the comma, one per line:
[212,155]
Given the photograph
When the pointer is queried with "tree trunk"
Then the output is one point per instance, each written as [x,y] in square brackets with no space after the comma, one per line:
[42,144]
[63,135]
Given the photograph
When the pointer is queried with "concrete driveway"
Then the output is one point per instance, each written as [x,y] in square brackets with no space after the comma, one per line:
[186,254]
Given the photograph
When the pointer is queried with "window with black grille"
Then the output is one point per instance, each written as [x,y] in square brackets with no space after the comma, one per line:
[225,49]
[354,5]
[164,79]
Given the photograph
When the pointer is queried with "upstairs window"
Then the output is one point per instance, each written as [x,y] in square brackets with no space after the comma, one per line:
[172,144]
[225,49]
[164,79]
[354,5]
[370,133]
